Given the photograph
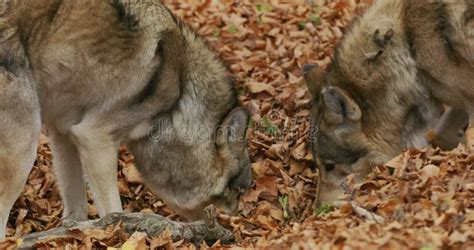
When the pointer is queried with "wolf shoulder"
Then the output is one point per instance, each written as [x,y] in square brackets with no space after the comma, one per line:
[444,25]
[98,28]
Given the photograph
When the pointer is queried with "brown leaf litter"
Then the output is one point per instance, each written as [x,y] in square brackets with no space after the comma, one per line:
[423,199]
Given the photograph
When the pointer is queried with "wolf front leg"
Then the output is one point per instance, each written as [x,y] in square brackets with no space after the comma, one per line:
[20,126]
[68,170]
[450,130]
[98,154]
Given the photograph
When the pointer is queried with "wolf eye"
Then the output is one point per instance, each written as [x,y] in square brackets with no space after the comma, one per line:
[329,167]
[323,138]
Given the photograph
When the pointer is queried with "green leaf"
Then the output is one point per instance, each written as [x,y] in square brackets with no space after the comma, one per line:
[233,29]
[302,24]
[284,204]
[315,19]
[391,170]
[323,209]
[262,7]
[271,129]
[251,122]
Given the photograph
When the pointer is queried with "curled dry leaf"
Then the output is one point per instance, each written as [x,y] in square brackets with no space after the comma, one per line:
[131,174]
[136,242]
[259,87]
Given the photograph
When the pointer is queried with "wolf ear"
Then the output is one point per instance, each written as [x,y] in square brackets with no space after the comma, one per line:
[313,78]
[340,107]
[233,128]
[382,41]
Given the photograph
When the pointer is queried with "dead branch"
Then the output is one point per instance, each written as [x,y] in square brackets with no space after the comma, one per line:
[151,224]
[364,213]
[349,188]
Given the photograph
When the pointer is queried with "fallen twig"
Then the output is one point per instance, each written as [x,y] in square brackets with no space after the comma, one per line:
[349,188]
[151,224]
[362,212]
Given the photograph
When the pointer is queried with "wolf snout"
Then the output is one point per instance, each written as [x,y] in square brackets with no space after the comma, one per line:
[242,181]
[308,67]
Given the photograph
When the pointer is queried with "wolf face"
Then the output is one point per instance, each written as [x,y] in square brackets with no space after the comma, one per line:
[339,143]
[189,176]
[392,72]
[349,139]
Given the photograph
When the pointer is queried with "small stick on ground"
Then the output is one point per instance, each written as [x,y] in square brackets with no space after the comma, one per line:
[151,224]
[349,188]
[364,213]
[360,211]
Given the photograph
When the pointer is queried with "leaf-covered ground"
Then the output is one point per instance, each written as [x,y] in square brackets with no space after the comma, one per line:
[423,199]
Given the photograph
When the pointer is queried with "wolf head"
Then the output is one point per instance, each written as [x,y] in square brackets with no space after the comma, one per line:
[196,154]
[191,164]
[338,141]
[223,171]
[369,103]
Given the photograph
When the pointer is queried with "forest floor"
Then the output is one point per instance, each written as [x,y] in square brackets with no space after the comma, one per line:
[423,199]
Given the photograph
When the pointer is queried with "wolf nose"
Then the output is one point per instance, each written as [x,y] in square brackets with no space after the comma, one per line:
[242,181]
[308,67]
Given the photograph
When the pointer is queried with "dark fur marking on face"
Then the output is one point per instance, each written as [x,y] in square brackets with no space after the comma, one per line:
[12,64]
[328,149]
[8,65]
[329,167]
[125,17]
